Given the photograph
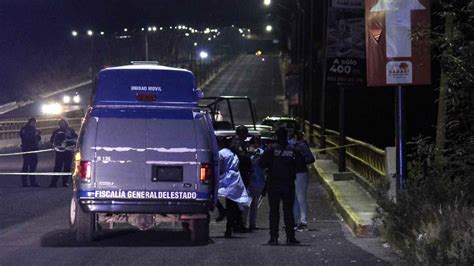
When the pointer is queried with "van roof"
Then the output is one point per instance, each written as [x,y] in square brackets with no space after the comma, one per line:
[145,66]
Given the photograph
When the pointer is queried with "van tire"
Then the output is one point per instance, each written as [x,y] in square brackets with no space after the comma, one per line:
[200,230]
[85,225]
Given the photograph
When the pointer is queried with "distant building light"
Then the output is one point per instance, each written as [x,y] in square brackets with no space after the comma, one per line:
[90,33]
[102,33]
[209,38]
[125,29]
[74,33]
[195,44]
[186,34]
[161,28]
[143,29]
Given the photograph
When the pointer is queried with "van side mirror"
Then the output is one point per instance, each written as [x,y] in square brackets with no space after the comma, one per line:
[199,93]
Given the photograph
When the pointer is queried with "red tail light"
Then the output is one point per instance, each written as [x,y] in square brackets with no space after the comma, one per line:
[84,171]
[146,97]
[206,173]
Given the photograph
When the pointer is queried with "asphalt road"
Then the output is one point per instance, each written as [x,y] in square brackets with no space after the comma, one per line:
[34,221]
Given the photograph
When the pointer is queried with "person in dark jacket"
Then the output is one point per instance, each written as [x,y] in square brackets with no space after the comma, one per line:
[301,183]
[240,146]
[282,161]
[30,138]
[64,140]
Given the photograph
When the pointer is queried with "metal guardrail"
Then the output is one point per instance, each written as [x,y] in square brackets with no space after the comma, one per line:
[364,159]
[10,129]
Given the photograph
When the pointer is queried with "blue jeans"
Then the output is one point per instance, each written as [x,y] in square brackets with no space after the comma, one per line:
[300,208]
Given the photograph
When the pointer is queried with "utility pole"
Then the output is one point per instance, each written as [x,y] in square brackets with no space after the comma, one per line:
[322,114]
[311,72]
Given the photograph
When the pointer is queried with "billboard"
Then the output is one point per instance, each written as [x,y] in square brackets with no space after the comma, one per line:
[345,44]
[397,42]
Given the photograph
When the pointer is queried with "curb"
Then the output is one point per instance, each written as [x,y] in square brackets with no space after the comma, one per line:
[349,216]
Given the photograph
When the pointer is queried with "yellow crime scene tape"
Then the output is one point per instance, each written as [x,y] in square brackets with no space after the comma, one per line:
[30,152]
[47,174]
[25,152]
[335,148]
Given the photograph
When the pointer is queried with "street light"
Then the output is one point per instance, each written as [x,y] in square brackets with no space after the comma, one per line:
[74,33]
[102,33]
[268,28]
[203,54]
[267,2]
[90,33]
[125,29]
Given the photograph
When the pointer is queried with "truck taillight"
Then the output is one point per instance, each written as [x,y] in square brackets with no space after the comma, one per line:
[206,173]
[84,170]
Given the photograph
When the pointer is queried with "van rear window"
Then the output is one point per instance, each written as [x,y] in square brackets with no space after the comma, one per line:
[127,87]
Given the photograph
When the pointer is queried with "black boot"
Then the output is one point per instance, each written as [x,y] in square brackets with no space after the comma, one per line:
[273,241]
[292,241]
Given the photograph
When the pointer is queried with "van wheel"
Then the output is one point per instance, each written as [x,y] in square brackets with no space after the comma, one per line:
[85,225]
[200,230]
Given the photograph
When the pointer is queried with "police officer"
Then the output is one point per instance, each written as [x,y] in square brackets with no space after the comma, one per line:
[30,138]
[64,140]
[282,160]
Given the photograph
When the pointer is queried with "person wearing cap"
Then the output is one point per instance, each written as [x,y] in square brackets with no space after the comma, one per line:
[30,138]
[64,140]
[282,161]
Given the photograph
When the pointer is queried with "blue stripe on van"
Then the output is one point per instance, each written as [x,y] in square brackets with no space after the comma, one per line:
[143,113]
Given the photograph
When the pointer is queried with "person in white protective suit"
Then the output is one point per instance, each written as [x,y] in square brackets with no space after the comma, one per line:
[231,186]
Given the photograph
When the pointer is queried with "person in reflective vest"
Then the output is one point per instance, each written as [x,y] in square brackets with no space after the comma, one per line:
[282,161]
[64,140]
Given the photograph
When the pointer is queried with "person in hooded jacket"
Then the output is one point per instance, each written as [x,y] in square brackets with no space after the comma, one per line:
[231,186]
[64,140]
[282,161]
[301,183]
[30,138]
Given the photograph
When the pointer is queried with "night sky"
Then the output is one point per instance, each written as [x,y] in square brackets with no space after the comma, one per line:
[28,27]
